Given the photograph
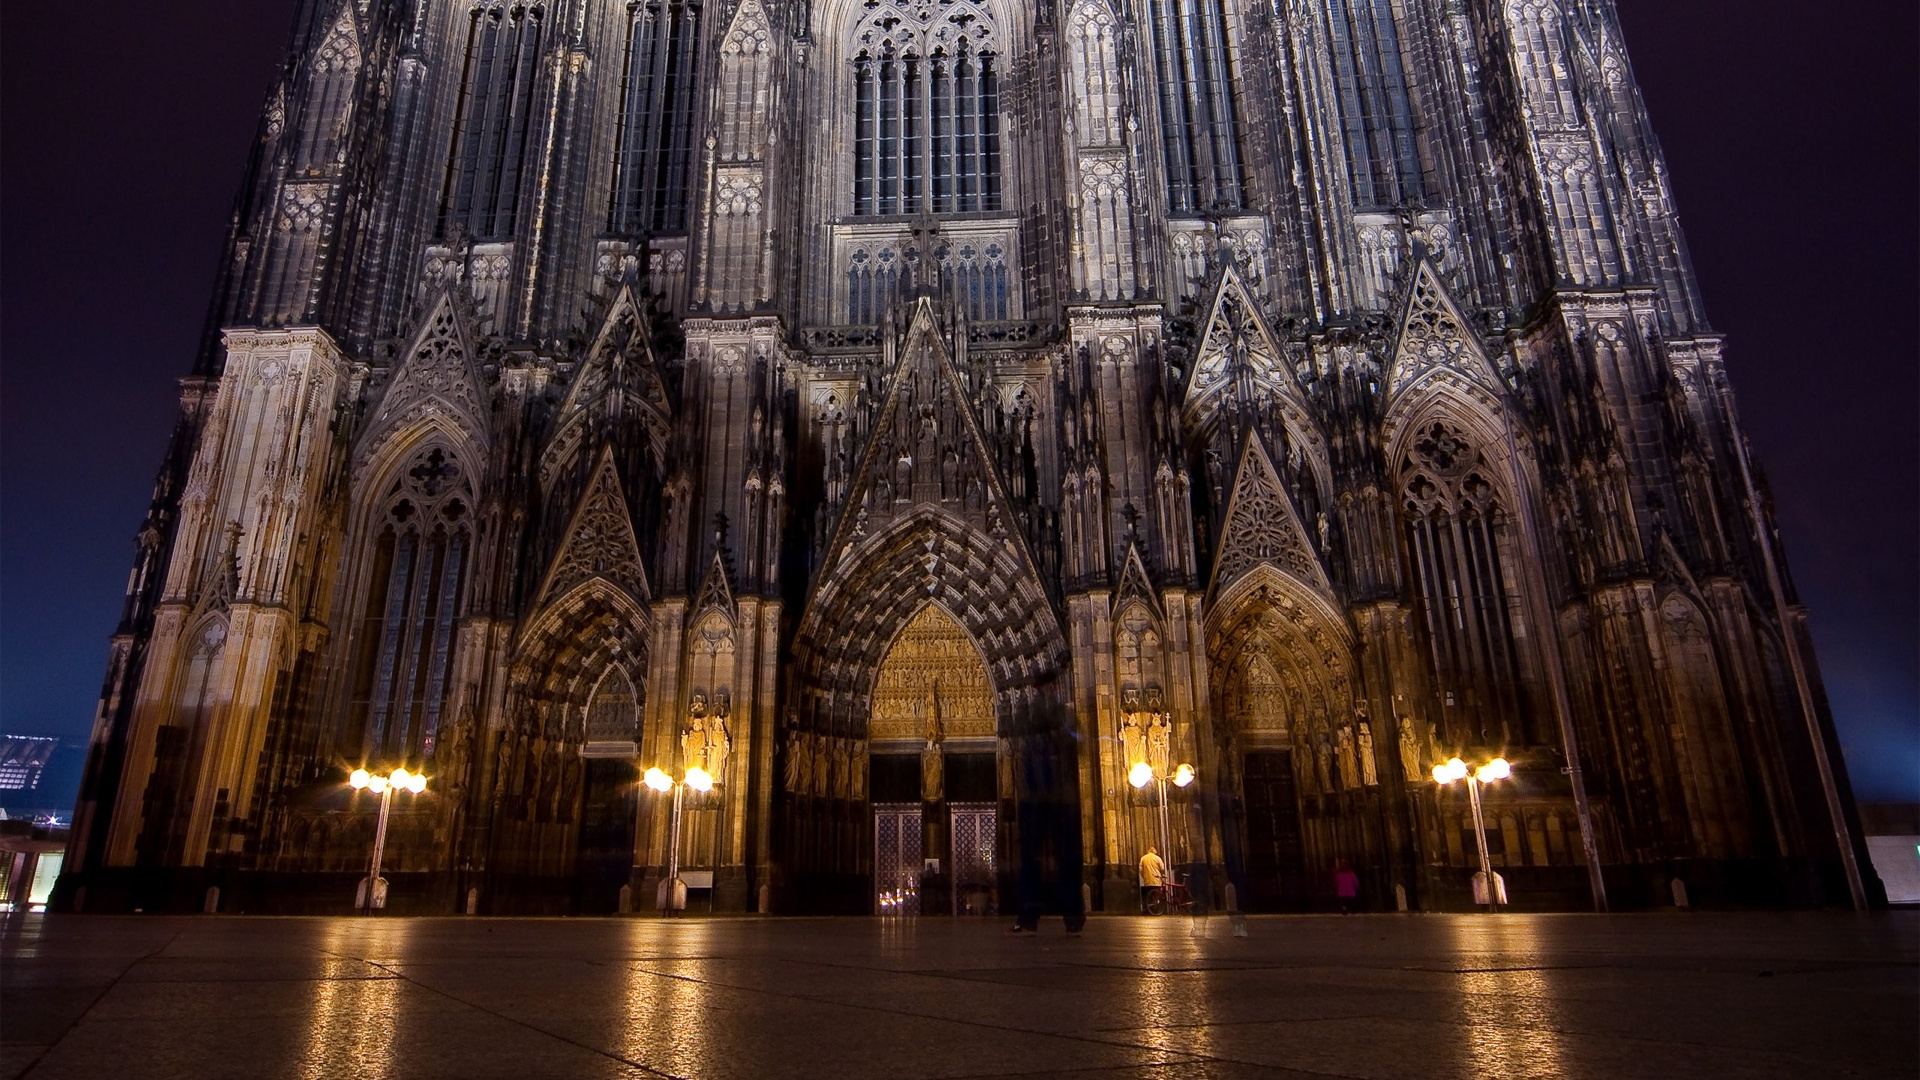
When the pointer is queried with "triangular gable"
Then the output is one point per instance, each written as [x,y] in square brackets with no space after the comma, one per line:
[926,449]
[748,27]
[617,378]
[1435,342]
[716,592]
[435,376]
[600,541]
[1135,583]
[1262,528]
[1235,338]
[340,51]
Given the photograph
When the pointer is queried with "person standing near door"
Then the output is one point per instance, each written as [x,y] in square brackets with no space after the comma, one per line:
[1153,875]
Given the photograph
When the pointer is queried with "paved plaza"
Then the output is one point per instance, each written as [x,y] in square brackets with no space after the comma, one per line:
[1389,997]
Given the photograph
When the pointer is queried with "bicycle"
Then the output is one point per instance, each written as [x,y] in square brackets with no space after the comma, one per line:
[1171,897]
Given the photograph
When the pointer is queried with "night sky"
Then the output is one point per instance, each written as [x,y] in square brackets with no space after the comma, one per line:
[1791,130]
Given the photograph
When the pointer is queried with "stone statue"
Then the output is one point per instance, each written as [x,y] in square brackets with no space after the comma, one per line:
[790,774]
[1410,750]
[693,741]
[1349,769]
[933,773]
[1133,740]
[1323,765]
[935,734]
[1369,769]
[903,476]
[1159,743]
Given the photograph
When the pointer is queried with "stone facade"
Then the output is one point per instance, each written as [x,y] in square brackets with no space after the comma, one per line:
[919,412]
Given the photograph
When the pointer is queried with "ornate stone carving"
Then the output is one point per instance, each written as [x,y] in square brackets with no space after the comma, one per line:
[933,684]
[600,542]
[1434,339]
[1263,527]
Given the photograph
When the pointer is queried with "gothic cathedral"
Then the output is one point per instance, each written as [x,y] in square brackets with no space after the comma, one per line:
[989,439]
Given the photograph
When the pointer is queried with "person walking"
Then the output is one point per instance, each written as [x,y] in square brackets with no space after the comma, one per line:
[1048,820]
[1153,876]
[1346,885]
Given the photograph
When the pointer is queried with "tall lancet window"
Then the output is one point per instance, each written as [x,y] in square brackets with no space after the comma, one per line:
[1198,123]
[655,144]
[1376,109]
[499,79]
[1461,548]
[926,89]
[415,592]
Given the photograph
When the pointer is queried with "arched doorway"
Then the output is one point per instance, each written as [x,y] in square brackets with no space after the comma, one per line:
[1297,754]
[933,743]
[984,587]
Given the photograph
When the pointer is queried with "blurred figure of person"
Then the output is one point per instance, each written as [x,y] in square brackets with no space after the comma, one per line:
[1048,818]
[1346,885]
[1153,876]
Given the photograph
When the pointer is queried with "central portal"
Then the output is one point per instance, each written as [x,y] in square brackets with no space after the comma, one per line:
[933,742]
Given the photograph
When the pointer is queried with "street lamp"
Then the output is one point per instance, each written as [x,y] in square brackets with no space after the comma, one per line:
[699,780]
[383,786]
[1142,774]
[1497,769]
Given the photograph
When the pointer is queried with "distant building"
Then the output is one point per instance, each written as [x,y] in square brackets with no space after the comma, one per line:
[1893,837]
[23,760]
[31,855]
[924,417]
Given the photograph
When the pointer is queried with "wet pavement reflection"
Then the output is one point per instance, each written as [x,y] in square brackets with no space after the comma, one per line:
[1381,998]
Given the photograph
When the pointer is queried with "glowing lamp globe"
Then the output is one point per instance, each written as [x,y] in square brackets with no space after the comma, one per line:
[1140,775]
[417,783]
[1183,775]
[1497,769]
[658,780]
[699,779]
[359,779]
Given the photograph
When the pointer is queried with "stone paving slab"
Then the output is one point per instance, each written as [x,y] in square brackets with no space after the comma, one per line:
[1431,997]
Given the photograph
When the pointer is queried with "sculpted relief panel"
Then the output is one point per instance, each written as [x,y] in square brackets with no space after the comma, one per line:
[933,685]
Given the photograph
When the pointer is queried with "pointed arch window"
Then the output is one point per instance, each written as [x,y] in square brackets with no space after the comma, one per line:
[1460,544]
[416,588]
[1375,104]
[655,140]
[926,89]
[500,74]
[1198,115]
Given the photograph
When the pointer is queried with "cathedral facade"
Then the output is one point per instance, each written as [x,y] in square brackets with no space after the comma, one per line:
[939,421]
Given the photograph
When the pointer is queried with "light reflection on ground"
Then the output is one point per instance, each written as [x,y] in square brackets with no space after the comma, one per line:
[1507,999]
[1381,998]
[355,1008]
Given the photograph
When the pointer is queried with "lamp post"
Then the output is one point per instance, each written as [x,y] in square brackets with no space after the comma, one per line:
[699,780]
[1497,769]
[1142,774]
[383,786]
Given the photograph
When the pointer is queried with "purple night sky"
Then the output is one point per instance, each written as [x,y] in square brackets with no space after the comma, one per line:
[1791,130]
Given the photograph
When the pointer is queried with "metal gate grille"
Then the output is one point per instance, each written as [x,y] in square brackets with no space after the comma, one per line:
[896,858]
[974,880]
